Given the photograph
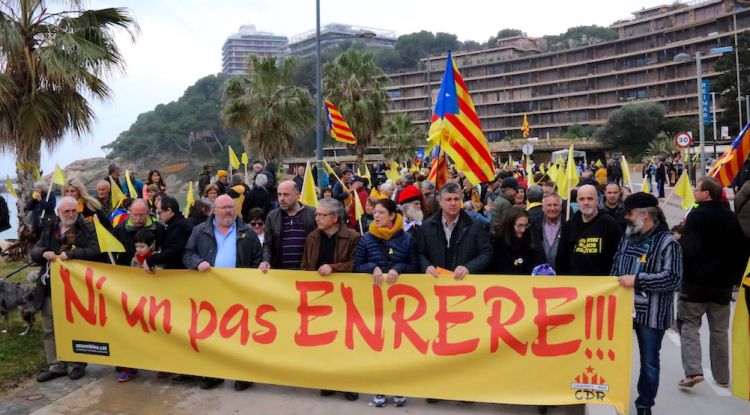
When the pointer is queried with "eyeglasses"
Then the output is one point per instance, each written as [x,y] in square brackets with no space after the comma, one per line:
[256,224]
[521,226]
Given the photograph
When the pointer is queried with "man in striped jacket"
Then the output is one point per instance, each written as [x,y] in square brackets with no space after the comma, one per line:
[649,260]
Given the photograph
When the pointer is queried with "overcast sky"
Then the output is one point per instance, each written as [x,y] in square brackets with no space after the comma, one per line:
[181,40]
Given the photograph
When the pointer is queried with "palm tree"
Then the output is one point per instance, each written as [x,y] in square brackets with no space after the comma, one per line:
[50,63]
[400,139]
[268,107]
[354,83]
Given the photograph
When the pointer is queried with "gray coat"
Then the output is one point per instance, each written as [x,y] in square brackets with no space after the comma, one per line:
[272,243]
[499,209]
[201,246]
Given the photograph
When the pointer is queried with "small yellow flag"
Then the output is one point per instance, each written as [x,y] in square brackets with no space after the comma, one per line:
[598,163]
[233,160]
[367,173]
[58,177]
[529,172]
[9,185]
[328,167]
[358,210]
[131,188]
[245,160]
[107,241]
[190,198]
[646,187]
[684,190]
[561,182]
[542,169]
[309,196]
[393,173]
[552,172]
[626,172]
[116,195]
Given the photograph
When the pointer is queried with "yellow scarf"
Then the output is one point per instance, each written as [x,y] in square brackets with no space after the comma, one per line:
[532,205]
[377,195]
[387,233]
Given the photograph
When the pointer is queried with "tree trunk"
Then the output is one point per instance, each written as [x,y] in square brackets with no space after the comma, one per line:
[27,156]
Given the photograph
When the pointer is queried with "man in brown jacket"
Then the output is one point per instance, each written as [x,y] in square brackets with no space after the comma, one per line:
[330,247]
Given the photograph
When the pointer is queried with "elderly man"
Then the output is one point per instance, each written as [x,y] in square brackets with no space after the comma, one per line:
[649,260]
[259,196]
[223,241]
[451,240]
[287,228]
[589,240]
[330,247]
[546,233]
[138,219]
[299,176]
[715,256]
[410,204]
[103,190]
[67,236]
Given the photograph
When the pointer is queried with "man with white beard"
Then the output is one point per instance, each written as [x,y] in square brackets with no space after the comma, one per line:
[649,260]
[410,204]
[589,240]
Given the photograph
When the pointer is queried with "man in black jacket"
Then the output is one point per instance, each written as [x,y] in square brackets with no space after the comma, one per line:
[237,246]
[68,236]
[451,240]
[588,242]
[175,237]
[611,204]
[715,254]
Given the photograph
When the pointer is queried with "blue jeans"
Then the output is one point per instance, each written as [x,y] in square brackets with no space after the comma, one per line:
[649,345]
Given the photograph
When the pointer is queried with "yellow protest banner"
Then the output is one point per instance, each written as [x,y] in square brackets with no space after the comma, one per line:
[487,338]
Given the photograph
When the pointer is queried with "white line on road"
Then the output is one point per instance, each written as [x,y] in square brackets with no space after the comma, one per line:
[712,383]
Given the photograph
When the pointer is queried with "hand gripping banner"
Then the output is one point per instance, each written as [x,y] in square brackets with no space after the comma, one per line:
[487,338]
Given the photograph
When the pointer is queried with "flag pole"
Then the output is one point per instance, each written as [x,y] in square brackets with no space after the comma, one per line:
[111,258]
[360,226]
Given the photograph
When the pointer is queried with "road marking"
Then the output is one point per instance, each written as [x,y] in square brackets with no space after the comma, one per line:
[712,383]
[674,337]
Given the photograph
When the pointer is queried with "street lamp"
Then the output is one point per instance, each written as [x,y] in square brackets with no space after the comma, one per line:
[319,95]
[684,57]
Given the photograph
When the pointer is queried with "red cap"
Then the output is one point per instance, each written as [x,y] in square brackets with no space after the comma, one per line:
[409,194]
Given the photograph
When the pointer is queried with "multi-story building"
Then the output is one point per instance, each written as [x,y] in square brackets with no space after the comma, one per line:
[336,33]
[248,41]
[583,84]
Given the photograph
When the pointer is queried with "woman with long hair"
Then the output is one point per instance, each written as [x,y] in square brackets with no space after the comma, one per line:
[155,177]
[515,251]
[88,206]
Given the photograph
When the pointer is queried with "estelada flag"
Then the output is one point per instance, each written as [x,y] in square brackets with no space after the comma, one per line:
[455,128]
[439,169]
[338,126]
[731,161]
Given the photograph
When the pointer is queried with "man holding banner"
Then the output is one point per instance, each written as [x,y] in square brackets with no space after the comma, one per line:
[223,241]
[68,236]
[649,260]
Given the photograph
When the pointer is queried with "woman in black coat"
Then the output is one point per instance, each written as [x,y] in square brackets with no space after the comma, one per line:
[515,252]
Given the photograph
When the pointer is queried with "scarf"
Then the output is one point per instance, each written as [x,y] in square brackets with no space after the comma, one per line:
[387,233]
[532,205]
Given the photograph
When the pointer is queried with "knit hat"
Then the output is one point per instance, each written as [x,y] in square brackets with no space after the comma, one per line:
[221,173]
[640,200]
[509,183]
[409,194]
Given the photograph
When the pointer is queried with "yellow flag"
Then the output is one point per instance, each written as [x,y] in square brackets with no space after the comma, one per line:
[552,172]
[58,177]
[358,210]
[684,190]
[598,163]
[541,169]
[561,182]
[245,160]
[505,166]
[328,167]
[646,188]
[107,241]
[359,173]
[131,188]
[367,173]
[9,185]
[626,172]
[529,172]
[233,160]
[393,173]
[309,197]
[116,195]
[190,198]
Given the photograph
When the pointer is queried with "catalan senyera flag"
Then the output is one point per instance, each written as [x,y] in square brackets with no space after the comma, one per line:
[107,241]
[309,197]
[58,177]
[731,161]
[684,190]
[9,186]
[233,160]
[189,199]
[456,128]
[337,125]
[525,130]
[439,169]
[116,195]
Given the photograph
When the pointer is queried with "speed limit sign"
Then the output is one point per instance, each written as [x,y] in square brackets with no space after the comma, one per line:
[683,139]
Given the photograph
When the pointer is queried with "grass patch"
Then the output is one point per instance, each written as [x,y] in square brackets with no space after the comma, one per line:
[20,356]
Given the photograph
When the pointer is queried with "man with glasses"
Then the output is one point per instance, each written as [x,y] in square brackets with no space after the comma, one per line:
[138,219]
[287,228]
[175,237]
[223,241]
[68,236]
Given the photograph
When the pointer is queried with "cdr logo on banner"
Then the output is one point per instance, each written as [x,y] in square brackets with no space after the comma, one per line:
[589,386]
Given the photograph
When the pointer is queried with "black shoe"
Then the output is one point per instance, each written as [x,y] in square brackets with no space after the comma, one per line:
[241,385]
[181,379]
[644,411]
[432,400]
[210,383]
[326,392]
[48,375]
[351,396]
[77,372]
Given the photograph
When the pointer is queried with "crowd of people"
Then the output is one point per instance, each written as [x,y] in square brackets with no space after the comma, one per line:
[460,230]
